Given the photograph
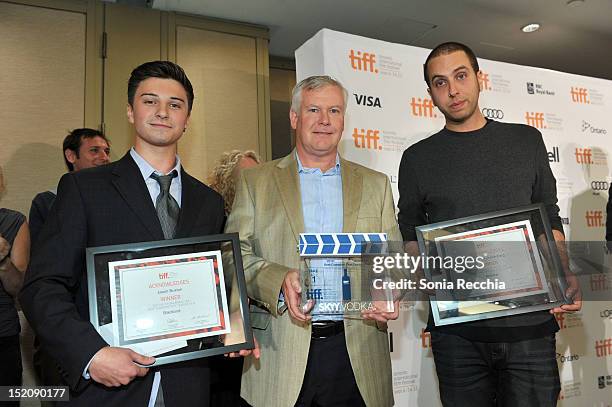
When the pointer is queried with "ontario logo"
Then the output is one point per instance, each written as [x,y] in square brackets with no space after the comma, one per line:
[363,61]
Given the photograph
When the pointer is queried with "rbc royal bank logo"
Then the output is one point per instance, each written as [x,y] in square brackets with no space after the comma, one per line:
[363,61]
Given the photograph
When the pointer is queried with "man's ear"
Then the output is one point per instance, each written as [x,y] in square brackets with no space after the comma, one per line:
[429,91]
[70,156]
[130,113]
[293,118]
[479,77]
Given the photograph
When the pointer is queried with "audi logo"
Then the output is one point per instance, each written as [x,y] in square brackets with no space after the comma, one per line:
[493,113]
[600,185]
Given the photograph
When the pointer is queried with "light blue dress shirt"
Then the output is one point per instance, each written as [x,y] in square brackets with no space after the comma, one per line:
[321,194]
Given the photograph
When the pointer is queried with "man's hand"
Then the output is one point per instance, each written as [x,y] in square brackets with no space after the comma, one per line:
[292,290]
[573,292]
[115,367]
[382,312]
[256,352]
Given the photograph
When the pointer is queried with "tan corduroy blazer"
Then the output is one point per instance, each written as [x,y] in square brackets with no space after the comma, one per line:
[267,213]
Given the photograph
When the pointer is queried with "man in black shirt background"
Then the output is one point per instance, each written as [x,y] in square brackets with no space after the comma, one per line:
[470,167]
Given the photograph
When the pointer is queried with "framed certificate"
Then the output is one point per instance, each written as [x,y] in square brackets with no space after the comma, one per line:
[171,299]
[492,265]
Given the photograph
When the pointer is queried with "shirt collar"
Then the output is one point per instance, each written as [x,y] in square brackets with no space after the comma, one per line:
[335,170]
[146,169]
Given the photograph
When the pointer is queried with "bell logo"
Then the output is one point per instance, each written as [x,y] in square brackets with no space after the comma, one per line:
[368,139]
[535,119]
[483,79]
[594,219]
[584,156]
[580,95]
[363,61]
[425,339]
[422,107]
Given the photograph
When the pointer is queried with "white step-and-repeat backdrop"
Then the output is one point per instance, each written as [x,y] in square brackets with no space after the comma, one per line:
[389,109]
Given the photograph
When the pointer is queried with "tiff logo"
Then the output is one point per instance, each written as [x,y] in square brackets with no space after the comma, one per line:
[368,139]
[580,95]
[603,347]
[560,317]
[599,282]
[483,79]
[425,339]
[422,107]
[363,61]
[535,119]
[594,219]
[584,155]
[164,276]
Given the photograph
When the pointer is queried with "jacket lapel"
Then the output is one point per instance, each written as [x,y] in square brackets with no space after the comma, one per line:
[191,206]
[132,188]
[352,184]
[288,184]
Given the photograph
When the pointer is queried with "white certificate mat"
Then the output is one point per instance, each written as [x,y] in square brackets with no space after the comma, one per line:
[158,298]
[510,255]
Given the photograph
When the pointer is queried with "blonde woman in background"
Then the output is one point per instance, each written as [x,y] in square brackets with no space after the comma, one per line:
[226,373]
[223,177]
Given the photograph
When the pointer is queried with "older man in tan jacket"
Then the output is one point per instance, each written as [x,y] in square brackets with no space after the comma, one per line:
[336,363]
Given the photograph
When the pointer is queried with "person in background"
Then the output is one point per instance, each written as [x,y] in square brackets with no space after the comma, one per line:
[14,258]
[226,372]
[83,148]
[223,177]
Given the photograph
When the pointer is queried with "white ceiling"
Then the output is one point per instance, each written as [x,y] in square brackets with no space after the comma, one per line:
[576,39]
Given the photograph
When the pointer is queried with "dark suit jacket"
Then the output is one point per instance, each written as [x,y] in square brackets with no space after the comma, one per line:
[96,207]
[39,211]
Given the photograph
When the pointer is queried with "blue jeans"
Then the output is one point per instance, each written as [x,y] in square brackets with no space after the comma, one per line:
[501,374]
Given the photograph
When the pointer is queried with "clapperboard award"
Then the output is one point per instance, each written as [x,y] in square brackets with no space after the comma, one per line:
[336,283]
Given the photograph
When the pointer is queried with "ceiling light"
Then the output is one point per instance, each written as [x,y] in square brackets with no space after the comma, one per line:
[529,28]
[574,3]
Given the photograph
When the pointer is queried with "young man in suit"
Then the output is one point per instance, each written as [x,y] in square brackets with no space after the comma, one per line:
[337,362]
[121,203]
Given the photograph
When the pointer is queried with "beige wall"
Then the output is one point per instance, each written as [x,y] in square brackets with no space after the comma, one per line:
[43,90]
[54,79]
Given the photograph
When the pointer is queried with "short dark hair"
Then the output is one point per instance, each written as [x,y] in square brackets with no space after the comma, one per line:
[448,48]
[163,70]
[74,139]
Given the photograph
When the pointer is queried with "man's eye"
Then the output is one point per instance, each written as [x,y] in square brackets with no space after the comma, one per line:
[313,109]
[175,105]
[335,110]
[148,102]
[439,83]
[462,75]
